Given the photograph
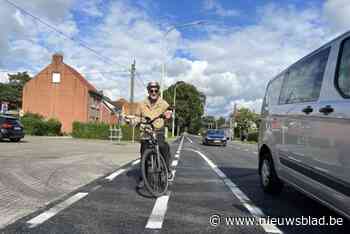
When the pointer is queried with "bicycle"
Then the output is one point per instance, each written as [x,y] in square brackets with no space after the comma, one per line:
[153,166]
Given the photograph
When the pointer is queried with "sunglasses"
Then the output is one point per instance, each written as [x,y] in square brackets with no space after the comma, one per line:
[153,91]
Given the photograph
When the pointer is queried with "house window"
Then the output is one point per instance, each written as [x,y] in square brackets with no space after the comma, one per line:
[56,77]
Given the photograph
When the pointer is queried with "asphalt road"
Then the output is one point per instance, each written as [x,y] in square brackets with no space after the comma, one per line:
[208,181]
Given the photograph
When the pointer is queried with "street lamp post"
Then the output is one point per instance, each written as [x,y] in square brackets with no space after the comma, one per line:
[194,23]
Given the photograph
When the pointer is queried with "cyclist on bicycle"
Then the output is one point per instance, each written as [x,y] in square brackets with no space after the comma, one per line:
[152,107]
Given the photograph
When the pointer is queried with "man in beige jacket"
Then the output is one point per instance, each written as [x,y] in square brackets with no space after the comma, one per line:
[152,107]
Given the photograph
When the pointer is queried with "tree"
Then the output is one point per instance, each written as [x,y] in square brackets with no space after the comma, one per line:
[12,91]
[245,117]
[189,106]
[220,121]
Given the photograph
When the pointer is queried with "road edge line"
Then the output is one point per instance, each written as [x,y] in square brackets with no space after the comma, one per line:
[242,197]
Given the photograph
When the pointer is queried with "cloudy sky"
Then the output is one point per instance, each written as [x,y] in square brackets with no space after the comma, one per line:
[230,58]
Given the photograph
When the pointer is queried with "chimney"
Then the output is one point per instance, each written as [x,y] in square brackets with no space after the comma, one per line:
[57,59]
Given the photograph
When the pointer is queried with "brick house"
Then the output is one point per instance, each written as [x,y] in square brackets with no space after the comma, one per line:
[60,92]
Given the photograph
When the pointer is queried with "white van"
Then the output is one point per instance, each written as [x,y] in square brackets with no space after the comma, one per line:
[304,137]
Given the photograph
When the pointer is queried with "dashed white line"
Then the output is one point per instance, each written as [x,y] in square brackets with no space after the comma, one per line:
[174,163]
[121,171]
[135,162]
[189,140]
[254,210]
[155,221]
[54,210]
[115,174]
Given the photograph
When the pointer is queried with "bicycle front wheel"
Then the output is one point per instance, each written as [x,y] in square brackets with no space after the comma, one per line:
[154,173]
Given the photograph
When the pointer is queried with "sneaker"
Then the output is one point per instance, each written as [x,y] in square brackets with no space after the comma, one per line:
[141,184]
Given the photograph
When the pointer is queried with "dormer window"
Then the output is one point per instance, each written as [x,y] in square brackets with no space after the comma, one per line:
[56,77]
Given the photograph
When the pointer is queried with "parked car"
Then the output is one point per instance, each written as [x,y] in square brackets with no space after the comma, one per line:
[215,137]
[11,128]
[304,135]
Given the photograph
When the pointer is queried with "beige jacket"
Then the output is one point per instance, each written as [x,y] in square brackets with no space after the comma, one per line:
[152,111]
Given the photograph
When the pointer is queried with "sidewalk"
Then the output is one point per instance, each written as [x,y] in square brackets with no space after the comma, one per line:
[40,170]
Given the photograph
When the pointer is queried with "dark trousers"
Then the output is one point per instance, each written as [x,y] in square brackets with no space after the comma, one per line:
[164,148]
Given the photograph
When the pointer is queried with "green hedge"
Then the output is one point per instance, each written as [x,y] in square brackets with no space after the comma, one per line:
[253,136]
[127,133]
[91,130]
[94,130]
[36,125]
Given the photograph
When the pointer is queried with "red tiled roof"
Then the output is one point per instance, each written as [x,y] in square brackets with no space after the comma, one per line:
[119,103]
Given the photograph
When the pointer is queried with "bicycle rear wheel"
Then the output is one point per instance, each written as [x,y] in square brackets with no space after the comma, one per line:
[154,173]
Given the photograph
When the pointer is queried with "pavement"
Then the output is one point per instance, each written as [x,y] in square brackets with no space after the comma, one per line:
[40,170]
[212,184]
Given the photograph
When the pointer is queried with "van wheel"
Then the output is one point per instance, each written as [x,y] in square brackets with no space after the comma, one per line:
[268,177]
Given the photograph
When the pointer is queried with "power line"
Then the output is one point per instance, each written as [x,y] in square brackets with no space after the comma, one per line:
[139,77]
[77,40]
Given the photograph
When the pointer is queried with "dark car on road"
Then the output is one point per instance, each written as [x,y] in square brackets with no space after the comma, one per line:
[11,128]
[215,137]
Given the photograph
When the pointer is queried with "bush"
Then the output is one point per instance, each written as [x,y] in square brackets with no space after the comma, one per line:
[91,130]
[253,136]
[35,124]
[54,127]
[127,133]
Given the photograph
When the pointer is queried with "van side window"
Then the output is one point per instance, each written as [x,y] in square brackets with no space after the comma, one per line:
[304,80]
[272,93]
[343,71]
[274,90]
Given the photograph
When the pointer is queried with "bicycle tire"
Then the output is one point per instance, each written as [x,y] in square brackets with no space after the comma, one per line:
[148,183]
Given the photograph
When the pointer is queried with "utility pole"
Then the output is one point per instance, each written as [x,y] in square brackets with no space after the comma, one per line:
[132,86]
[132,81]
[173,130]
[233,120]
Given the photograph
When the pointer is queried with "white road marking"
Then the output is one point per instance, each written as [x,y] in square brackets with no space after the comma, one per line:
[155,221]
[189,140]
[254,210]
[174,163]
[121,171]
[135,162]
[96,187]
[115,174]
[54,210]
[177,155]
[255,152]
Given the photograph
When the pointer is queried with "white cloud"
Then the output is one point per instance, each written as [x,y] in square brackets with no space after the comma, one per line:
[240,61]
[253,105]
[337,14]
[229,65]
[215,7]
